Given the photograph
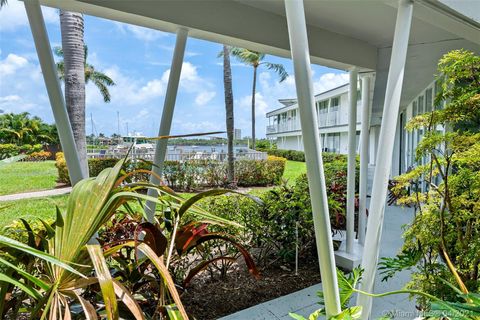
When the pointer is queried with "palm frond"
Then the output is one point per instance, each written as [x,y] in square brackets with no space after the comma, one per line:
[103,90]
[246,56]
[277,68]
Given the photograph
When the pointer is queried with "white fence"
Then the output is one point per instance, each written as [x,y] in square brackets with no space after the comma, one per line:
[182,156]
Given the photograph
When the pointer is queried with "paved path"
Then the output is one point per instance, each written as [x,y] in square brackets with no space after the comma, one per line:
[305,301]
[36,194]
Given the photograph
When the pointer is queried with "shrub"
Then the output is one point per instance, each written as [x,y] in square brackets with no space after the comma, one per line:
[272,228]
[39,156]
[195,174]
[8,150]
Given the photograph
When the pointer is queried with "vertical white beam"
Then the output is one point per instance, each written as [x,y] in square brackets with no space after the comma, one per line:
[55,95]
[385,151]
[352,135]
[167,115]
[297,33]
[364,139]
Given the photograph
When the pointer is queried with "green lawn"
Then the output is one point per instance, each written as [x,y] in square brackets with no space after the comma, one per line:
[27,176]
[30,209]
[44,208]
[293,169]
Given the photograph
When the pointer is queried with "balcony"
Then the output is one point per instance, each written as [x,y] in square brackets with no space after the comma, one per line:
[283,127]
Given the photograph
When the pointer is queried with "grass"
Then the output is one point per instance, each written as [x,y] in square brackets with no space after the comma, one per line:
[27,176]
[44,208]
[293,169]
[30,209]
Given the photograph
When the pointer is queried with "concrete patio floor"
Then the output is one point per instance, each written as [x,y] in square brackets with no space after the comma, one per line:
[305,301]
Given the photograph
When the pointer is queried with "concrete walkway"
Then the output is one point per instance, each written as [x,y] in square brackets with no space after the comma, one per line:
[305,301]
[36,194]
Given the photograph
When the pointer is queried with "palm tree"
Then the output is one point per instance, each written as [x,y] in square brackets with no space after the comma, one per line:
[255,59]
[3,2]
[227,83]
[100,79]
[71,27]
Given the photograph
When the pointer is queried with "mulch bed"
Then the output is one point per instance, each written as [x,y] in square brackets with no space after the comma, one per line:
[207,299]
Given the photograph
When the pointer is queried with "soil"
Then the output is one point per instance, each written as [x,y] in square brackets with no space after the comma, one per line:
[208,298]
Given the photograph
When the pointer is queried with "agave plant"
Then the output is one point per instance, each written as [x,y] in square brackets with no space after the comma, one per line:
[48,276]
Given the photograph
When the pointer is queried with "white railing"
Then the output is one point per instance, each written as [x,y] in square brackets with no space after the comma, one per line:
[183,156]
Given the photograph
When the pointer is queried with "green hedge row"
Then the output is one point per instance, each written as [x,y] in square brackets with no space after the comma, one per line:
[10,150]
[295,155]
[191,175]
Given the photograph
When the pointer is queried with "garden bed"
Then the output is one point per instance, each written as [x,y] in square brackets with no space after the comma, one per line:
[211,299]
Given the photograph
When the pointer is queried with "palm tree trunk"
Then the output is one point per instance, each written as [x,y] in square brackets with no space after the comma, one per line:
[227,82]
[254,89]
[72,26]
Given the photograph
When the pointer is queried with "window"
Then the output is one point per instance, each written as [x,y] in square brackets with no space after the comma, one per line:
[323,106]
[420,105]
[335,103]
[359,95]
[414,109]
[294,113]
[428,100]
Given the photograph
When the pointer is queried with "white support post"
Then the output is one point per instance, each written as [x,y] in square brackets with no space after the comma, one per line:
[352,135]
[364,144]
[385,151]
[55,95]
[167,115]
[297,32]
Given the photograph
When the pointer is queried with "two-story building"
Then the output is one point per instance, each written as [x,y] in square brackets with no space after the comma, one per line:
[332,116]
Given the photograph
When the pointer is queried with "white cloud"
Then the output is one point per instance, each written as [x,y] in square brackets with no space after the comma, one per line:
[329,81]
[204,97]
[11,64]
[13,15]
[141,33]
[186,127]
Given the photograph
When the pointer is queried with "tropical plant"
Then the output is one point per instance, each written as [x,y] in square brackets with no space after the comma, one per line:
[227,83]
[57,272]
[255,59]
[21,129]
[443,241]
[468,309]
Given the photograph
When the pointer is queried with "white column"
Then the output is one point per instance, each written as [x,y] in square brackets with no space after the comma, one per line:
[385,151]
[167,115]
[297,32]
[352,135]
[364,139]
[55,95]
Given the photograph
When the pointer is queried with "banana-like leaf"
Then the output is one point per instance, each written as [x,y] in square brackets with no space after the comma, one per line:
[42,255]
[173,312]
[153,237]
[25,288]
[162,269]
[88,207]
[190,236]
[25,274]
[105,281]
[89,311]
[202,265]
[123,294]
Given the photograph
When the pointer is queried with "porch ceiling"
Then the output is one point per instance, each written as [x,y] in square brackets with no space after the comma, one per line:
[341,33]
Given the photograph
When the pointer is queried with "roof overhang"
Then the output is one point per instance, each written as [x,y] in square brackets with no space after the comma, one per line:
[341,34]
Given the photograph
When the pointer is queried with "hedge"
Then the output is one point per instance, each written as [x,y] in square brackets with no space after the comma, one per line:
[191,175]
[10,150]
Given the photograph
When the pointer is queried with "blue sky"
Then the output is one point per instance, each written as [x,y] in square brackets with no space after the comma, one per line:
[138,60]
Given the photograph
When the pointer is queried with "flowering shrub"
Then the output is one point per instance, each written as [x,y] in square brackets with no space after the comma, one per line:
[10,150]
[39,156]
